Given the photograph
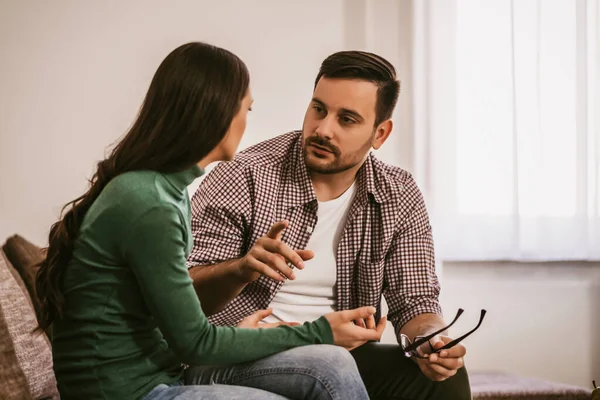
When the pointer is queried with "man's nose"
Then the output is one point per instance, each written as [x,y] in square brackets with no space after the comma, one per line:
[325,128]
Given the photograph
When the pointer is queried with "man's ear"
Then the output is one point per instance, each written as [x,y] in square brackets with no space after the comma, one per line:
[382,132]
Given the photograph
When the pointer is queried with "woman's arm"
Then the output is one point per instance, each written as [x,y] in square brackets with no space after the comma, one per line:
[154,248]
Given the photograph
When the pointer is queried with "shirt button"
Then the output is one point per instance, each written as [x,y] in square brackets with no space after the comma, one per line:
[309,229]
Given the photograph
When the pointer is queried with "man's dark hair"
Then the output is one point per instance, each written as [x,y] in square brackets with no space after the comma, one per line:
[368,67]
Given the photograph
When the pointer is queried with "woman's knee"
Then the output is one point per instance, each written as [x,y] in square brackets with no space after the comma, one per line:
[336,357]
[328,357]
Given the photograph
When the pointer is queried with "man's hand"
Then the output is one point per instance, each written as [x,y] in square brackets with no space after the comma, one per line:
[441,366]
[253,321]
[270,256]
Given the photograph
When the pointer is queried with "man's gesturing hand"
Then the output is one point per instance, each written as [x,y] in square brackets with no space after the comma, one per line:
[270,256]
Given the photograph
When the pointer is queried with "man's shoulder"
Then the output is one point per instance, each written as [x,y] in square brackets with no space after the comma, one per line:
[269,152]
[269,155]
[391,172]
[267,158]
[391,177]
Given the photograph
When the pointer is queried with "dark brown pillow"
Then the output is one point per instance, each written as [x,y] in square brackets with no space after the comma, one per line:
[25,257]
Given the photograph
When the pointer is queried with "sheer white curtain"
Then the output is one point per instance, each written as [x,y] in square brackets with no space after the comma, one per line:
[507,126]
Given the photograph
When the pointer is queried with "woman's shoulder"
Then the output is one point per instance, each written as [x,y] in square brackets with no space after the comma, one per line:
[135,193]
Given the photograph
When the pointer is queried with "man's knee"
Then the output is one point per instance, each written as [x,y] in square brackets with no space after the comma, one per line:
[457,387]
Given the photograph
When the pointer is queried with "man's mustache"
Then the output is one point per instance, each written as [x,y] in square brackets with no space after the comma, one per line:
[322,143]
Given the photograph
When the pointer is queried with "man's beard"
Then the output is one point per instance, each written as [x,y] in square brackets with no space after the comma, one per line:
[340,162]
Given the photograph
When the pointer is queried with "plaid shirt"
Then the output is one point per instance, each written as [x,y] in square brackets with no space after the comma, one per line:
[386,247]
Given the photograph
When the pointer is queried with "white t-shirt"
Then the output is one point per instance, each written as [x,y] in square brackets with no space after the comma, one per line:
[312,293]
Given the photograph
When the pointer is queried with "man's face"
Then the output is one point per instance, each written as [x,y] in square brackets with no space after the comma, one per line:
[339,125]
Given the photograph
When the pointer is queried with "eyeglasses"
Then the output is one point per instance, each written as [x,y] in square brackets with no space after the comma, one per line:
[411,348]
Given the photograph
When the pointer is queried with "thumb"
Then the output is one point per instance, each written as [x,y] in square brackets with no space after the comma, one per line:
[362,312]
[305,254]
[381,325]
[436,342]
[371,334]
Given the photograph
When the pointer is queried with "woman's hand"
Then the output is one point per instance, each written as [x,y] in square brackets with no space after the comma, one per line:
[349,335]
[253,321]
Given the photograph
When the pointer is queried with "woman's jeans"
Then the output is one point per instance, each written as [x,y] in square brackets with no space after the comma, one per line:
[310,372]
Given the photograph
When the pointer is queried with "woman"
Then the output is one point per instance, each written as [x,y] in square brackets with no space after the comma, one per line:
[114,286]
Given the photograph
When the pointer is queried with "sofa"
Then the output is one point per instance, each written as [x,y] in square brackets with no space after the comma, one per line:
[26,355]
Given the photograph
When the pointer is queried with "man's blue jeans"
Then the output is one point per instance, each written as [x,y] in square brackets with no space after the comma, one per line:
[320,372]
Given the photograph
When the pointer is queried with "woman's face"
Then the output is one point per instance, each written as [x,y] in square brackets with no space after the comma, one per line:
[232,139]
[226,149]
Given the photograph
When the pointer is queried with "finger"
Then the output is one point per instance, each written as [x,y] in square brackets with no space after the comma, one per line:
[305,254]
[454,352]
[275,261]
[360,322]
[431,374]
[370,322]
[260,315]
[280,248]
[434,376]
[264,269]
[448,363]
[252,320]
[277,228]
[366,334]
[441,371]
[269,325]
[357,313]
[276,324]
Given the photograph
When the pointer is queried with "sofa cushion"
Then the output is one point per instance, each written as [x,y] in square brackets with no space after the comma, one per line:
[30,349]
[502,386]
[24,256]
[13,384]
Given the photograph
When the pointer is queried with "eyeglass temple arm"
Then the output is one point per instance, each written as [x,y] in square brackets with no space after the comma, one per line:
[424,339]
[456,341]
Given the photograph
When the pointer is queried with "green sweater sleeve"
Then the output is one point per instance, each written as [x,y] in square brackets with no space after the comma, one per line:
[154,248]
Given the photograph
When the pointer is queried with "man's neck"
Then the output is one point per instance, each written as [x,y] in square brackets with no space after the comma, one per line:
[331,186]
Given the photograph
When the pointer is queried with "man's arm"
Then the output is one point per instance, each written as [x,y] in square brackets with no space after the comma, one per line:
[220,208]
[219,264]
[413,288]
[422,325]
[411,285]
[217,285]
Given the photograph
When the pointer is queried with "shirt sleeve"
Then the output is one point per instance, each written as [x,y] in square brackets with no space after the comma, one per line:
[221,211]
[411,284]
[155,251]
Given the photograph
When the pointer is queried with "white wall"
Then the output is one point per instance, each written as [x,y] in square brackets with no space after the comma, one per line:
[74,75]
[543,319]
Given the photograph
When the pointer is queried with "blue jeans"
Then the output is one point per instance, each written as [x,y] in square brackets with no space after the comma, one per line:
[318,372]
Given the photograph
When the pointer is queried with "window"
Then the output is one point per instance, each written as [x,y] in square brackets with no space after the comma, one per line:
[516,167]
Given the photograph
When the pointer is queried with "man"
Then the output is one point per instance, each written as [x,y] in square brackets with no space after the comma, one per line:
[311,221]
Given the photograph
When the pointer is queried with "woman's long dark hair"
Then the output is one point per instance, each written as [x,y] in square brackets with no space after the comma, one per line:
[193,97]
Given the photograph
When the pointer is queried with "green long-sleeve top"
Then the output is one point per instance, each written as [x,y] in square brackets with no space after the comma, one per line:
[131,315]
